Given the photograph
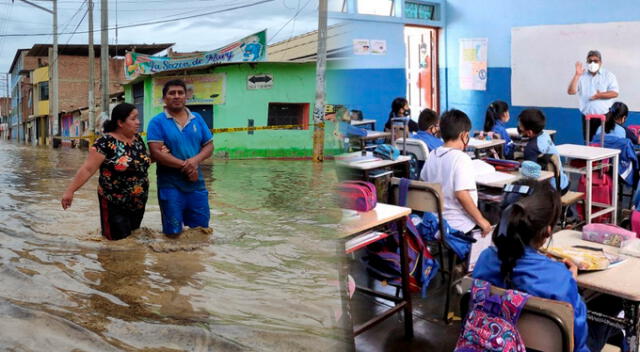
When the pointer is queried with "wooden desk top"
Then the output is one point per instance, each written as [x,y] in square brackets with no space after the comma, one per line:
[362,122]
[584,152]
[544,175]
[354,222]
[374,135]
[343,160]
[620,280]
[482,144]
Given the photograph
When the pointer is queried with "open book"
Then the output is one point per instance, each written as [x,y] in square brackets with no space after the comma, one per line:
[486,174]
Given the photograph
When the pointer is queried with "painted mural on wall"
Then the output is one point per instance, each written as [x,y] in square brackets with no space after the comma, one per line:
[201,89]
[249,49]
[473,63]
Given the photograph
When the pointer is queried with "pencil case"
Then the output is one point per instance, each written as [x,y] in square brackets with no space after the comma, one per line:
[607,234]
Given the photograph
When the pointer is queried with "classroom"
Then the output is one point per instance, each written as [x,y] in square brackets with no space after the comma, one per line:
[489,174]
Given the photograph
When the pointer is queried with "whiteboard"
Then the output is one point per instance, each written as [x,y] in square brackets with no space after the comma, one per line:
[543,61]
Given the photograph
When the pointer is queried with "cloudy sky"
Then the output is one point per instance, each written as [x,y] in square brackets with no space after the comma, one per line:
[282,19]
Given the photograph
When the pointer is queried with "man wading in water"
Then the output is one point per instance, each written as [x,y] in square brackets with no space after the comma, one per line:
[182,194]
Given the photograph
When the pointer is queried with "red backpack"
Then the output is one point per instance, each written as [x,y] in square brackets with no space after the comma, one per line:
[601,193]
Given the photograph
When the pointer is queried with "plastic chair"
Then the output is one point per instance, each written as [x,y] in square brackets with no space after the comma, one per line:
[415,147]
[428,197]
[544,324]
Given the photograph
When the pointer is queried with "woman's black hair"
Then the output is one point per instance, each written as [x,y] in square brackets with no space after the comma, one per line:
[524,223]
[532,119]
[494,112]
[396,105]
[616,112]
[119,113]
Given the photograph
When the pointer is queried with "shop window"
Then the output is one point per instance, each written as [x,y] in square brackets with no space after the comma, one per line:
[282,114]
[43,90]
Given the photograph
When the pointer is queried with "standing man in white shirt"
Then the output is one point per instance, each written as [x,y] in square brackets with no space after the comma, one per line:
[596,88]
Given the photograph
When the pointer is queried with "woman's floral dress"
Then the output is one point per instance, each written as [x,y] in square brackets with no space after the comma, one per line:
[123,173]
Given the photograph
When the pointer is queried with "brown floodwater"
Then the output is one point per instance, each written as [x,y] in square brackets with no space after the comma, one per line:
[263,278]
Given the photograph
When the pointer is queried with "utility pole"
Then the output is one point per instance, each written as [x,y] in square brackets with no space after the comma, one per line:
[54,96]
[318,109]
[92,84]
[104,57]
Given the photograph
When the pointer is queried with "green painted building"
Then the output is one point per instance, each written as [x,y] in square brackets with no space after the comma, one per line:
[240,95]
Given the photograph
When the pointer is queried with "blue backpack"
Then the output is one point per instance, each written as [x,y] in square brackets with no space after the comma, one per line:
[383,257]
[386,152]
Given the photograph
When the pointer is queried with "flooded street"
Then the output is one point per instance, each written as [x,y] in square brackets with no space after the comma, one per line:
[264,280]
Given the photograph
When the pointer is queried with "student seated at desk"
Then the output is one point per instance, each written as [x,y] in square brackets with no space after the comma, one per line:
[344,129]
[614,124]
[531,125]
[515,262]
[428,126]
[495,120]
[451,167]
[400,108]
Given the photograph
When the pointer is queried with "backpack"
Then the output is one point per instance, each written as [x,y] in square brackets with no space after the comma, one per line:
[491,322]
[357,195]
[601,193]
[455,240]
[386,152]
[383,257]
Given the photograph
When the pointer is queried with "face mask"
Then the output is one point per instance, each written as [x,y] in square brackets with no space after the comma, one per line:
[593,67]
[467,142]
[407,112]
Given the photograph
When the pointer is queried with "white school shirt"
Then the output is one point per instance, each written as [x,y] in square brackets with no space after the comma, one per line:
[588,85]
[453,170]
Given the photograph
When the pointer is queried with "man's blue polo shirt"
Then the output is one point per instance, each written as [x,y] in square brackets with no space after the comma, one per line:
[183,142]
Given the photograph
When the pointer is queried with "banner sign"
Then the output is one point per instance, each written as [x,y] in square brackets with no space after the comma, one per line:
[249,49]
[201,89]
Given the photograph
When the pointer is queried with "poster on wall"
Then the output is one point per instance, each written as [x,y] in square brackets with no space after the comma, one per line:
[201,89]
[361,46]
[473,63]
[248,49]
[378,47]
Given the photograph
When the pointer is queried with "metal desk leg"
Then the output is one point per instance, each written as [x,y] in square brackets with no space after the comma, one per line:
[406,294]
[589,195]
[346,319]
[614,190]
[362,148]
[631,311]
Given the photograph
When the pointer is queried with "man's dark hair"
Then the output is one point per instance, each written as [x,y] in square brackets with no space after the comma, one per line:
[532,119]
[427,119]
[452,123]
[171,83]
[595,53]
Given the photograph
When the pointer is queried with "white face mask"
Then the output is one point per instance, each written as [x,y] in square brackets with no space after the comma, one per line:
[593,67]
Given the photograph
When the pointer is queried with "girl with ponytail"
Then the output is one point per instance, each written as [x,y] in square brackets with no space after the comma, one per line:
[530,212]
[616,116]
[495,120]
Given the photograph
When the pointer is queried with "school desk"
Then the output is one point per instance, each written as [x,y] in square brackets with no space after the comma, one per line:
[363,123]
[477,145]
[366,163]
[591,155]
[358,224]
[499,179]
[371,136]
[513,133]
[620,281]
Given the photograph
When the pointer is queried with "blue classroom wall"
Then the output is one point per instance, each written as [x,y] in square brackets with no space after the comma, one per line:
[370,82]
[494,20]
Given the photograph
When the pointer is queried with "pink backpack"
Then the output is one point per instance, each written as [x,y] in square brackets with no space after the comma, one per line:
[601,193]
[491,322]
[635,222]
[357,195]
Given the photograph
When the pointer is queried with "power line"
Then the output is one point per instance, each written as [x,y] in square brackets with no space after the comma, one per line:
[291,19]
[145,23]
